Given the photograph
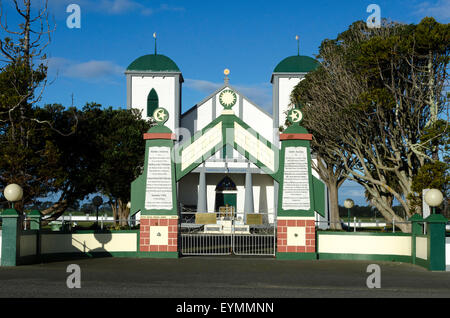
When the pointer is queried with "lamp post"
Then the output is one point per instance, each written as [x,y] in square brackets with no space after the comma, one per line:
[97,201]
[434,198]
[13,193]
[349,204]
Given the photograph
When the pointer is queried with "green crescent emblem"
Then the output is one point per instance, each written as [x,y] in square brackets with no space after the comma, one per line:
[160,115]
[295,116]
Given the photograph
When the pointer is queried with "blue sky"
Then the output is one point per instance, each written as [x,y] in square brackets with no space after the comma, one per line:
[203,37]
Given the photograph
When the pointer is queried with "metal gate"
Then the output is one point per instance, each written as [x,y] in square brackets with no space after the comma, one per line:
[228,236]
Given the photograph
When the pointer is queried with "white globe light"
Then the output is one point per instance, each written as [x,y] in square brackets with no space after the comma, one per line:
[13,193]
[129,205]
[434,197]
[349,203]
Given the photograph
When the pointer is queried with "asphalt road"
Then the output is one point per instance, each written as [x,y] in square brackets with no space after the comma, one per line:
[228,277]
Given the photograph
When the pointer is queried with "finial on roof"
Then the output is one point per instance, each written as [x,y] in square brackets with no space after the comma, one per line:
[298,44]
[154,36]
[226,72]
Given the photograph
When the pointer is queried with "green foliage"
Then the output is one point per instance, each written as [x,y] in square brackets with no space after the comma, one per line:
[374,103]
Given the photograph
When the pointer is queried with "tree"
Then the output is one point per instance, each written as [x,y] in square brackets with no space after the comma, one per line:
[374,103]
[122,155]
[28,157]
[105,155]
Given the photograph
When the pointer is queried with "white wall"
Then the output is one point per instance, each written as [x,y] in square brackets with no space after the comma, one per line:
[422,247]
[447,253]
[88,242]
[286,85]
[365,244]
[258,120]
[252,115]
[204,113]
[165,88]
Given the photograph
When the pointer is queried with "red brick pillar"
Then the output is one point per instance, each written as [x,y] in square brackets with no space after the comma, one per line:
[159,236]
[296,235]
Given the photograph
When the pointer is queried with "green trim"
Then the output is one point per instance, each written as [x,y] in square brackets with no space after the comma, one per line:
[228,122]
[297,64]
[159,255]
[362,233]
[319,196]
[93,232]
[152,102]
[29,233]
[66,256]
[436,218]
[365,257]
[10,213]
[422,262]
[177,152]
[296,256]
[155,63]
[34,214]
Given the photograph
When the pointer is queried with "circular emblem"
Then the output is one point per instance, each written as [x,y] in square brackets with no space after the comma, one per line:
[295,116]
[227,98]
[160,115]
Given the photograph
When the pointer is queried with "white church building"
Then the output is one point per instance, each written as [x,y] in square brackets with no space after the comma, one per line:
[227,179]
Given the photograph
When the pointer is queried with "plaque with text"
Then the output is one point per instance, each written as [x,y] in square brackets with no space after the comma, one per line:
[158,194]
[296,179]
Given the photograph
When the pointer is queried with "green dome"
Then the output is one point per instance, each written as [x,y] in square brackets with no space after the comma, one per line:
[297,64]
[154,63]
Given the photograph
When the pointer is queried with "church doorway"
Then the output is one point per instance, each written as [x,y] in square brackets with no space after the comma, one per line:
[226,198]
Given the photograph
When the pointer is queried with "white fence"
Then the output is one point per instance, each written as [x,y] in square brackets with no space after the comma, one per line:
[447,253]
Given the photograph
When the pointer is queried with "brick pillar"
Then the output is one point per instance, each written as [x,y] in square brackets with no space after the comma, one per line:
[159,236]
[296,235]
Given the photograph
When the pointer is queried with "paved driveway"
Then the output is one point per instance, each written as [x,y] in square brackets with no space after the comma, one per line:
[221,278]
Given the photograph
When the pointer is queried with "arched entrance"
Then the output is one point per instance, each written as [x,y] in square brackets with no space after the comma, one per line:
[226,198]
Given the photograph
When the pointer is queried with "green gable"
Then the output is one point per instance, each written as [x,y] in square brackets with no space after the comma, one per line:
[154,63]
[297,64]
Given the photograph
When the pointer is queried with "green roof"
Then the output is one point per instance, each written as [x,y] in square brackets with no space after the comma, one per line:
[297,64]
[154,63]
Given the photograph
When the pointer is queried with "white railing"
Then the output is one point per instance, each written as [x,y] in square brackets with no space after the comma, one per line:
[447,253]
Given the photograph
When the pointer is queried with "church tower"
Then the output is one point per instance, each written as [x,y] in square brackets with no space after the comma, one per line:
[153,81]
[287,74]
